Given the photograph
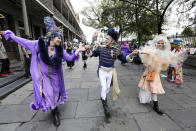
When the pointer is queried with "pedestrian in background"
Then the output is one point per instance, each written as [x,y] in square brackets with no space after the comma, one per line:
[27,58]
[4,60]
[84,55]
[69,49]
[175,73]
[125,50]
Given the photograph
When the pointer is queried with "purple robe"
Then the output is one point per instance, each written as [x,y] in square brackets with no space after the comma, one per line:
[125,49]
[51,77]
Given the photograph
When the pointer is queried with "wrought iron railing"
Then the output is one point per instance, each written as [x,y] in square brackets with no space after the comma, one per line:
[49,5]
[188,41]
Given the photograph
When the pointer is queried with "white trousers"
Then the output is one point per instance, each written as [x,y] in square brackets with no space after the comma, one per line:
[145,96]
[154,97]
[105,80]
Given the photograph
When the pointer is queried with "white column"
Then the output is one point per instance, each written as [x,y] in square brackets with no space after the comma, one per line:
[24,12]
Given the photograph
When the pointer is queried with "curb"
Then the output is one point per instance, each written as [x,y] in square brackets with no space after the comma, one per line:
[6,90]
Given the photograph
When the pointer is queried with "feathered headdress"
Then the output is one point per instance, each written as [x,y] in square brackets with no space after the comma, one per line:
[114,34]
[177,41]
[157,38]
[51,29]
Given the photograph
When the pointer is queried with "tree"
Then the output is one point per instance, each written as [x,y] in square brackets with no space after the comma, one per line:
[188,31]
[127,18]
[108,14]
[93,15]
[121,15]
[185,9]
[156,7]
[148,25]
[115,14]
[145,21]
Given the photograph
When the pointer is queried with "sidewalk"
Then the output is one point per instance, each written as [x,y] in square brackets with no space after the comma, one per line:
[14,80]
[191,61]
[18,71]
[83,110]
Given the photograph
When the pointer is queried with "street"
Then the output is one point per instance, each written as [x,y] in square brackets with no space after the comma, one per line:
[83,110]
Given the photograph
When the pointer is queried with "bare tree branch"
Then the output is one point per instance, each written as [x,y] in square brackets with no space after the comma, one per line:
[194,22]
[139,6]
[164,11]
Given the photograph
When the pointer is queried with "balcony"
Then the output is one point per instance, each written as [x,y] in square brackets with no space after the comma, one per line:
[47,3]
[62,19]
[57,15]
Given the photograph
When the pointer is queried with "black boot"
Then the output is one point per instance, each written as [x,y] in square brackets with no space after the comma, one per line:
[156,108]
[105,107]
[84,66]
[56,118]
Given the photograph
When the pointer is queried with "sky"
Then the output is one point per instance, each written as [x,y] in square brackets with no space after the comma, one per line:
[78,5]
[172,27]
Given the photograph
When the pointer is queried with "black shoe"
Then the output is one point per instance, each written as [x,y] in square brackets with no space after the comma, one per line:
[27,76]
[156,108]
[84,67]
[105,107]
[122,63]
[56,118]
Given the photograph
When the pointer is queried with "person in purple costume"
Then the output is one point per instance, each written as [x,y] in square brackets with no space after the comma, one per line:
[46,67]
[125,50]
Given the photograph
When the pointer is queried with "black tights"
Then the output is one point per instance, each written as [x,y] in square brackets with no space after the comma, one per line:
[5,66]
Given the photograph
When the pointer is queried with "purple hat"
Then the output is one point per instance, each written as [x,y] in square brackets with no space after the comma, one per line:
[51,29]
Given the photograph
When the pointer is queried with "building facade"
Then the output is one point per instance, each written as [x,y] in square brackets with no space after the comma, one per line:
[26,17]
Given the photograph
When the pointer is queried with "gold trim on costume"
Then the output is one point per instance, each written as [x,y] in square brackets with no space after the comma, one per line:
[60,95]
[1,16]
[40,88]
[110,59]
[116,89]
[49,76]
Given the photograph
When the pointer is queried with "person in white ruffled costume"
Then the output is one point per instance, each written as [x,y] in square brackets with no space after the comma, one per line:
[157,57]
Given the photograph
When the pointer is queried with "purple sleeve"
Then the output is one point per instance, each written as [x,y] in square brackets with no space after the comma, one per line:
[69,57]
[28,44]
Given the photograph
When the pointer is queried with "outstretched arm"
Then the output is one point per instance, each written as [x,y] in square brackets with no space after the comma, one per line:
[96,52]
[75,55]
[128,58]
[28,44]
[69,57]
